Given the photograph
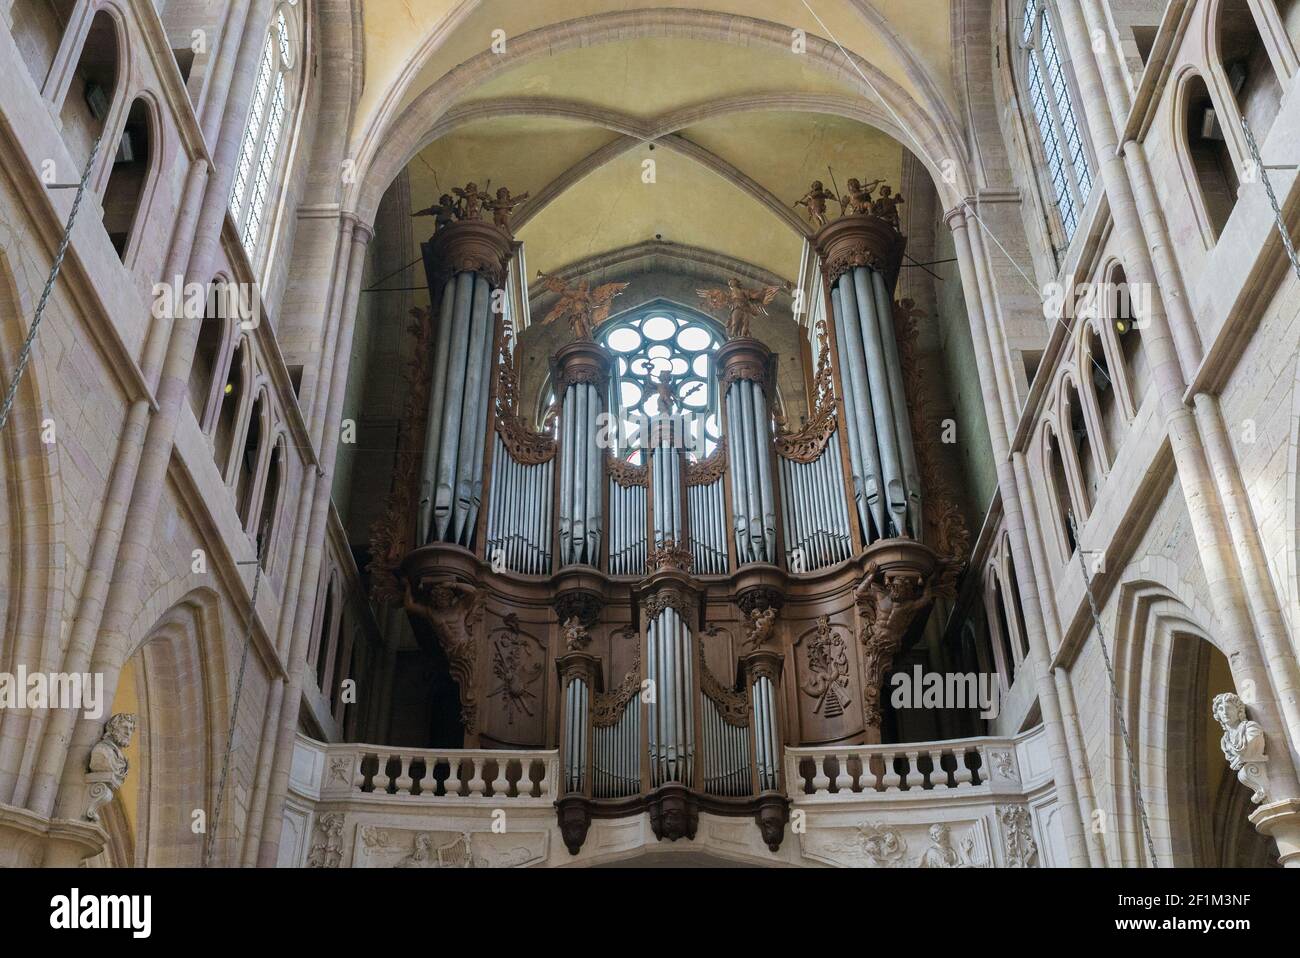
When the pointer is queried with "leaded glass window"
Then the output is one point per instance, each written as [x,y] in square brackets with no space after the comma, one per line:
[259,152]
[1051,104]
[649,344]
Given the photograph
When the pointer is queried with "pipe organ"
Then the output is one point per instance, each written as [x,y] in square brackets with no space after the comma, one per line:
[583,372]
[667,624]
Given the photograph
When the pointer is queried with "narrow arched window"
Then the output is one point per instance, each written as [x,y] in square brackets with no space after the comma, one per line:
[249,459]
[91,92]
[232,401]
[325,634]
[1060,493]
[274,92]
[130,176]
[1211,159]
[1246,64]
[208,350]
[1051,105]
[1000,625]
[270,506]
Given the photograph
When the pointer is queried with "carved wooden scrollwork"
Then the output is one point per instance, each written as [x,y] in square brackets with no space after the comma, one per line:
[607,707]
[625,473]
[807,444]
[669,555]
[733,704]
[670,597]
[526,445]
[391,532]
[705,472]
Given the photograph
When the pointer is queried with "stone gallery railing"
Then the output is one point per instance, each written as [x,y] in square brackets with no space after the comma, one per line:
[378,773]
[854,772]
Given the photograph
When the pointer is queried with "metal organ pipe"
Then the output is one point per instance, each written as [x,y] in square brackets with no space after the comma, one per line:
[762,443]
[453,406]
[859,397]
[881,401]
[437,396]
[469,458]
[898,397]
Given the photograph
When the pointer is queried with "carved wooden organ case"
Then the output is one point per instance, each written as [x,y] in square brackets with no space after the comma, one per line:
[668,626]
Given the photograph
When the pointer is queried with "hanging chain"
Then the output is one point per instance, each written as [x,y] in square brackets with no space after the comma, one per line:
[1272,197]
[1114,696]
[25,354]
[234,713]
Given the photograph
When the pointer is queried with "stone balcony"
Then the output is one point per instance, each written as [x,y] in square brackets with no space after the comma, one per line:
[978,802]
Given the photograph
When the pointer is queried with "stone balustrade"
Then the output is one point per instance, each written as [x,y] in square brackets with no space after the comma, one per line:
[386,773]
[976,802]
[852,772]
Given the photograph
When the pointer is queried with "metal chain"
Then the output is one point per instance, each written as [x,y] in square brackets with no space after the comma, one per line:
[25,353]
[234,713]
[1114,696]
[1272,197]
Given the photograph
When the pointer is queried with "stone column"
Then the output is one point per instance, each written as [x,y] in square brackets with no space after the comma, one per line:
[1047,693]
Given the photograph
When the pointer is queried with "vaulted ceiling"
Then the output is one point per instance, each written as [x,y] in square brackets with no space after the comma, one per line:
[585,93]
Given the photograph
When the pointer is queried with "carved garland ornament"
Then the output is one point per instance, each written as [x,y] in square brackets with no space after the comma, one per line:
[390,532]
[750,369]
[807,444]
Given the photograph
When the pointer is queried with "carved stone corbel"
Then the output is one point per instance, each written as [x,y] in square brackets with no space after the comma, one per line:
[1242,744]
[107,768]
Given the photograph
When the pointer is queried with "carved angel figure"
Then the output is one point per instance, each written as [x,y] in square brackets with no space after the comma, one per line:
[503,206]
[585,308]
[576,636]
[740,304]
[815,200]
[764,622]
[443,212]
[886,206]
[856,200]
[1242,743]
[469,201]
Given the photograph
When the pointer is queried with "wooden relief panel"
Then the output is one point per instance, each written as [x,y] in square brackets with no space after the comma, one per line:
[516,684]
[827,689]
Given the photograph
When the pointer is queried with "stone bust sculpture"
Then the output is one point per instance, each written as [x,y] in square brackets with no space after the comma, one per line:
[1242,743]
[107,768]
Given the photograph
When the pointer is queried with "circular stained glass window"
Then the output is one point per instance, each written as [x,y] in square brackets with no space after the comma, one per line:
[649,344]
